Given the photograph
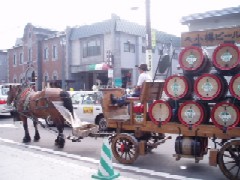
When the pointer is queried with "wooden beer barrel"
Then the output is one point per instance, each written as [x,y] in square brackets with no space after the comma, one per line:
[193,113]
[225,115]
[195,146]
[226,58]
[178,87]
[160,112]
[234,86]
[193,61]
[210,87]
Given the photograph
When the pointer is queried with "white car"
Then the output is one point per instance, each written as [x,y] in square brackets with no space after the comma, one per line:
[87,107]
[4,108]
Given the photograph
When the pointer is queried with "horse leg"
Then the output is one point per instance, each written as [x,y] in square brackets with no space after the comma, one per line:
[60,141]
[37,135]
[27,137]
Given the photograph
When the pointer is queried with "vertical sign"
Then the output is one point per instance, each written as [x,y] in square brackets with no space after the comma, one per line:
[149,62]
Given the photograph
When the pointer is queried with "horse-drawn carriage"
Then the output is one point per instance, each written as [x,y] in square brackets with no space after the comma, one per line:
[142,124]
[202,104]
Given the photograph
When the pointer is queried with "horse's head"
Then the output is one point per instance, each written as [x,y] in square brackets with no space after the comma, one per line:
[12,93]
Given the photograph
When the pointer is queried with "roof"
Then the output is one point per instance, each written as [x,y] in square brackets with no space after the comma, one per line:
[209,14]
[124,26]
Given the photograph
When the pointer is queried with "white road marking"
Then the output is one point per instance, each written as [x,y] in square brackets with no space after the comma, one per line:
[92,160]
[8,126]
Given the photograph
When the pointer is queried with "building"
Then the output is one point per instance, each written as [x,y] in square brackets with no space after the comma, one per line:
[227,17]
[90,46]
[37,56]
[76,58]
[3,67]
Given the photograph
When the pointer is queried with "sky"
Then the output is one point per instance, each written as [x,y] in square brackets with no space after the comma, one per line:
[58,14]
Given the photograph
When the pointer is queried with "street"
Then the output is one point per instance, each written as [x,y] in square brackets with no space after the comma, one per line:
[160,164]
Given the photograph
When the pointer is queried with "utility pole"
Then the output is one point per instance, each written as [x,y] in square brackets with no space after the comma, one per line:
[148,40]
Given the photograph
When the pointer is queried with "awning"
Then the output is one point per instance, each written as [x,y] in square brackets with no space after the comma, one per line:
[93,67]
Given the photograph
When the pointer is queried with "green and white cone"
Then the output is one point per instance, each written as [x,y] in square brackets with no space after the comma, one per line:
[105,170]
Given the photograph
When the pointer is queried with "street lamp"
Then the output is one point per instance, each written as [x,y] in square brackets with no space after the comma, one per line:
[63,43]
[148,37]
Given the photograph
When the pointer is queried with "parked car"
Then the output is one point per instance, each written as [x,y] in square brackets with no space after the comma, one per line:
[87,108]
[4,108]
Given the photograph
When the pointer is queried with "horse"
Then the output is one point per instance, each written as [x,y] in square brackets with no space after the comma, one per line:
[32,104]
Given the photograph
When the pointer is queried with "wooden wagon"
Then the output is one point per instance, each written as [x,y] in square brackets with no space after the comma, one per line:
[141,126]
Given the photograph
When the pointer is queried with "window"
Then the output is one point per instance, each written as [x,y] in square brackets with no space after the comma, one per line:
[14,60]
[129,47]
[29,54]
[21,58]
[54,52]
[92,48]
[54,77]
[45,55]
[45,78]
[143,49]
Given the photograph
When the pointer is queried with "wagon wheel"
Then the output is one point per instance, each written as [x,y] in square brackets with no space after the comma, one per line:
[229,159]
[125,148]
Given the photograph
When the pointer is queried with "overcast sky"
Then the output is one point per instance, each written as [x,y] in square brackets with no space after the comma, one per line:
[57,14]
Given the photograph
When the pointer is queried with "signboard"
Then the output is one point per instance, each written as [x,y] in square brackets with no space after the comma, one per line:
[110,73]
[211,37]
[87,110]
[118,82]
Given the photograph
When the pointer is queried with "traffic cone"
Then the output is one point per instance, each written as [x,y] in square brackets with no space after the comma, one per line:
[105,170]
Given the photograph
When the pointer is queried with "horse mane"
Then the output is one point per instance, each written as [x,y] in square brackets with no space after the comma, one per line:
[67,101]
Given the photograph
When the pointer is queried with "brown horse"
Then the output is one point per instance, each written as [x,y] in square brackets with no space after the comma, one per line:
[41,104]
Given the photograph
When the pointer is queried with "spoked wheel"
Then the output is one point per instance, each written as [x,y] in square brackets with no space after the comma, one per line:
[125,148]
[229,159]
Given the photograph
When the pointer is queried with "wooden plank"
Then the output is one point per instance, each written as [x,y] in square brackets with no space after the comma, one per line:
[211,37]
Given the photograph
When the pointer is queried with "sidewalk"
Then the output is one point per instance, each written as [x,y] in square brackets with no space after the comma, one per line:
[22,164]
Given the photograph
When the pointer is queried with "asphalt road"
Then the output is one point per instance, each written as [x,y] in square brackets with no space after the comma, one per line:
[159,164]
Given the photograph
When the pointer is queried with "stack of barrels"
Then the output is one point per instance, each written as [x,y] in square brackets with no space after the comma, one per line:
[208,90]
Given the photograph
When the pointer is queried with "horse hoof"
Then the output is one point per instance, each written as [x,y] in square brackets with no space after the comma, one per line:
[61,143]
[26,139]
[36,138]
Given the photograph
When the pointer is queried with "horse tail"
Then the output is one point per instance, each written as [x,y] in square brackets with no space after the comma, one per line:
[67,101]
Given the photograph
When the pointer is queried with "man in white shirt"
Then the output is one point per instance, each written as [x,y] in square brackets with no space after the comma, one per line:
[143,76]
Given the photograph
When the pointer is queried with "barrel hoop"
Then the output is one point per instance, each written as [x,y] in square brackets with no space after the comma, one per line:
[226,57]
[190,114]
[225,115]
[185,91]
[207,86]
[234,86]
[155,112]
[191,58]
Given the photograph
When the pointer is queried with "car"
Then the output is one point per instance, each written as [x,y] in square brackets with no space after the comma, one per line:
[4,108]
[87,107]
